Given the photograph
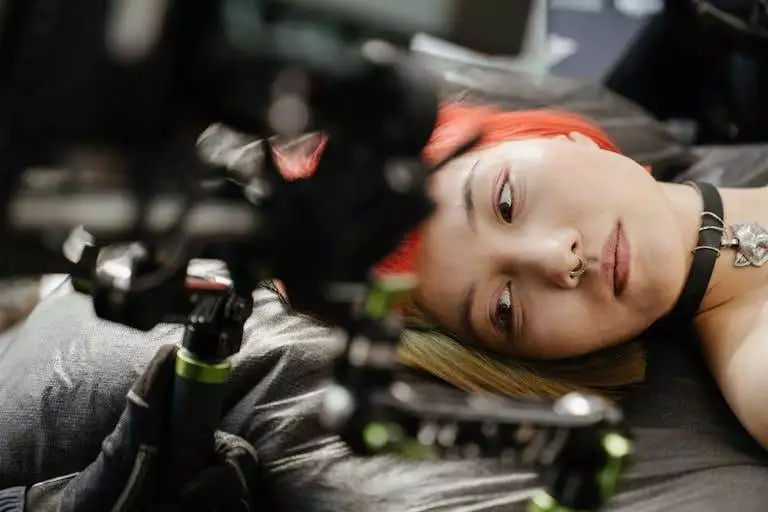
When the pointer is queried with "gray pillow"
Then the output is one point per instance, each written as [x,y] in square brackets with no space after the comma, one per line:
[635,131]
[730,166]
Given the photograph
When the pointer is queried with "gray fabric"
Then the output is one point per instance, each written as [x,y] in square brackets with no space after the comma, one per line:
[46,496]
[66,374]
[638,134]
[12,500]
[731,166]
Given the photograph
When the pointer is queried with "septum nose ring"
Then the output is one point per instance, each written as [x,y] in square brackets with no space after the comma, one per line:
[580,269]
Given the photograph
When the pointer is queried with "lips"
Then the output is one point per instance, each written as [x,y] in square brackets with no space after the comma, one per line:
[615,260]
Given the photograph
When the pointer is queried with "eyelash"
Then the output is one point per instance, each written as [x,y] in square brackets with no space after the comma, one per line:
[503,313]
[504,201]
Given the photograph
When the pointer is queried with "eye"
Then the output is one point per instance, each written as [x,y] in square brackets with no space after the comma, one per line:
[505,198]
[503,314]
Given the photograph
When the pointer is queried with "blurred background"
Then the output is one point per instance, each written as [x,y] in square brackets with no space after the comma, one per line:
[573,38]
[605,59]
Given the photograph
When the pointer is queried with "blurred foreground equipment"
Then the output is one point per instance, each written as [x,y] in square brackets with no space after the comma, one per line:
[101,106]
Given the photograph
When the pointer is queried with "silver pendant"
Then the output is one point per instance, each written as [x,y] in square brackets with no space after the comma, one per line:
[750,240]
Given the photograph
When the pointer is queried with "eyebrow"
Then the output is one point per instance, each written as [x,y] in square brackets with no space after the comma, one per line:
[465,313]
[469,203]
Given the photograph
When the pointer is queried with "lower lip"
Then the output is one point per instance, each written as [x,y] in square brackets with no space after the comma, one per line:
[621,268]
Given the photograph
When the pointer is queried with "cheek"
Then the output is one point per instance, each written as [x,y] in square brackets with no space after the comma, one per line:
[658,284]
[590,191]
[577,326]
[661,260]
[590,171]
[568,329]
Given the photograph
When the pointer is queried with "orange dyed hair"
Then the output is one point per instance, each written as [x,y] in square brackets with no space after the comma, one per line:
[455,122]
[440,353]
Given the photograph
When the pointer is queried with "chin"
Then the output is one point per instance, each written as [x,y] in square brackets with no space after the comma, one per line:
[657,278]
[653,302]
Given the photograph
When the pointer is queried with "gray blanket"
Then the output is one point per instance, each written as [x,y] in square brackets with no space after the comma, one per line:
[65,374]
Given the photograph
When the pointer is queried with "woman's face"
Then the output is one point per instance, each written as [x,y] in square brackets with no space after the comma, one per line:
[496,257]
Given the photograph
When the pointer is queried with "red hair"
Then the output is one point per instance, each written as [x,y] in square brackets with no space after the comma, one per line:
[455,122]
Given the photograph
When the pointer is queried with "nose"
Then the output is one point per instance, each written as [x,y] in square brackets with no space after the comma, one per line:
[553,257]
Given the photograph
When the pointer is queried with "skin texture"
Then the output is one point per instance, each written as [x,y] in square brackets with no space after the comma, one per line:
[733,322]
[566,197]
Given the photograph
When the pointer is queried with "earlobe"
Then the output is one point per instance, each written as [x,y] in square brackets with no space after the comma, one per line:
[582,140]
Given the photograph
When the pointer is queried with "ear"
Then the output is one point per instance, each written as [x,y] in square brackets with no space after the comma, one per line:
[583,140]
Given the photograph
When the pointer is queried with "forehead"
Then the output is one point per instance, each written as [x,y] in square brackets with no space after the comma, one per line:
[447,185]
[445,259]
[450,254]
[524,151]
[447,247]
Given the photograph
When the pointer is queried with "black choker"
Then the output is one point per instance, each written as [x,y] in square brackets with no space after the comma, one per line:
[705,254]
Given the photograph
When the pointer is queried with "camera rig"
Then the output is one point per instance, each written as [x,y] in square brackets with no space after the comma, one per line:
[101,106]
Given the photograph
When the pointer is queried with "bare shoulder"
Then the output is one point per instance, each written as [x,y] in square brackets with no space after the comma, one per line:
[735,344]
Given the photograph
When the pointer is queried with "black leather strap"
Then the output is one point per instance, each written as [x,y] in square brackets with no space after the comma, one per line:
[705,254]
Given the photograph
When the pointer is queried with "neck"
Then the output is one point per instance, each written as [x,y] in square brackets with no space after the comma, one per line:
[728,282]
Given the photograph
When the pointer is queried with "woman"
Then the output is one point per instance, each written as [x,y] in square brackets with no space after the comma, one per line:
[66,374]
[548,244]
